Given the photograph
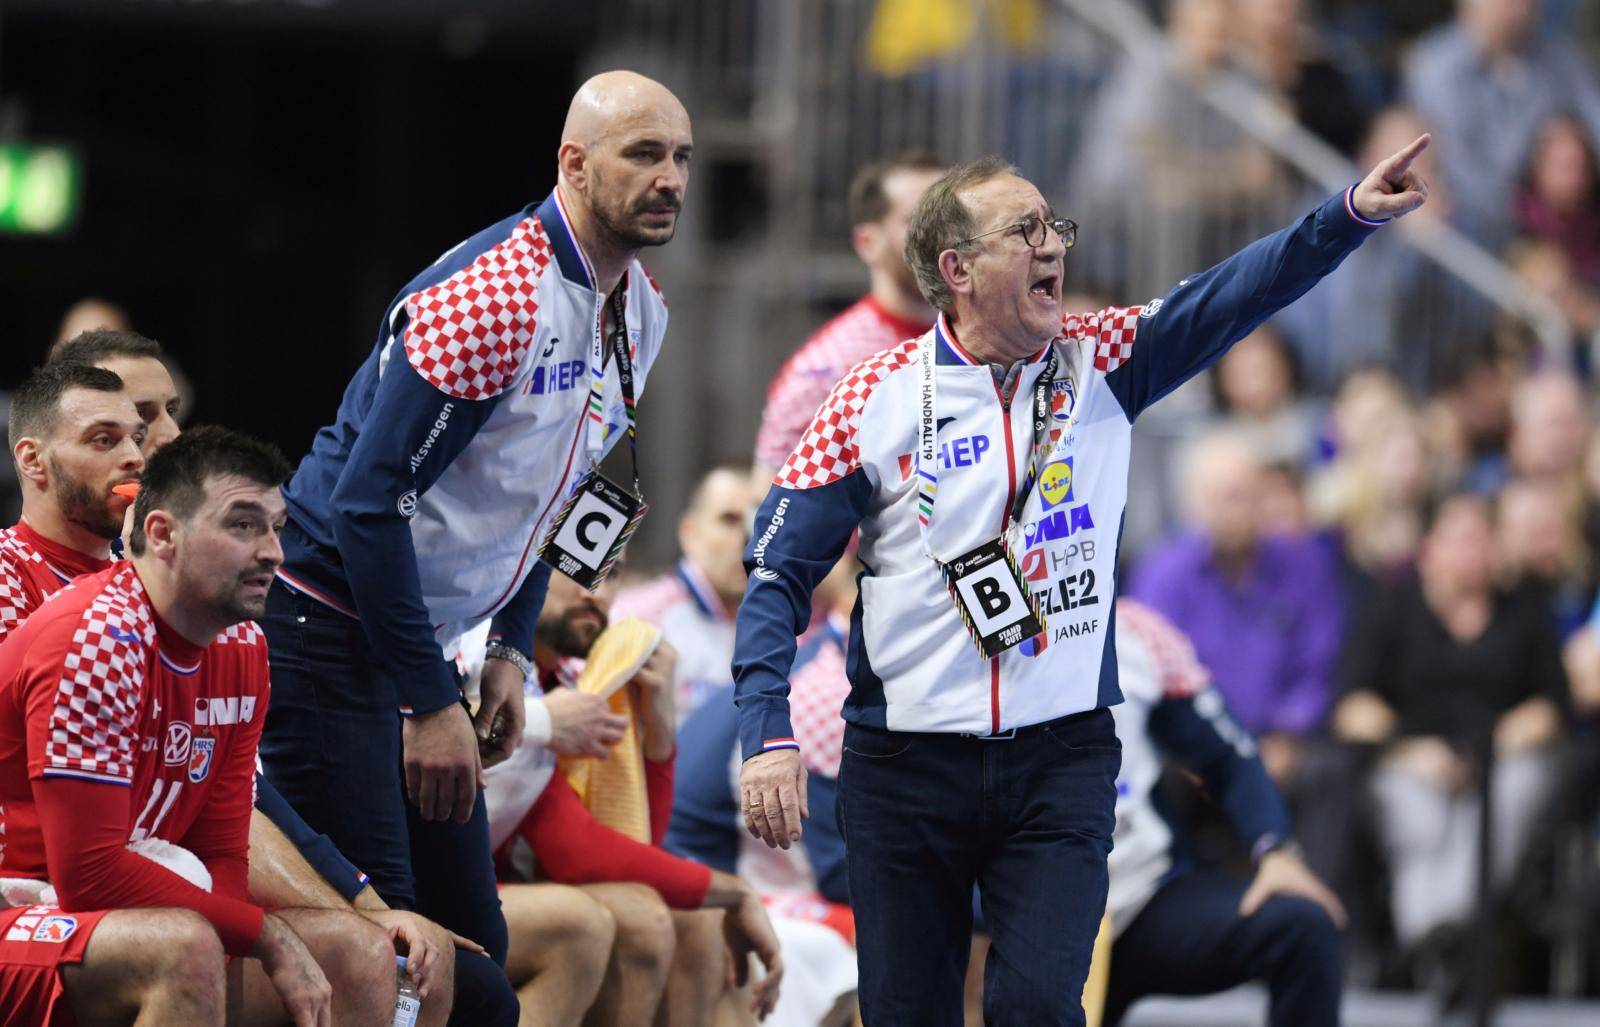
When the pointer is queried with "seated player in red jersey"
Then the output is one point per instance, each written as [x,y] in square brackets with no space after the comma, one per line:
[76,442]
[130,708]
[674,917]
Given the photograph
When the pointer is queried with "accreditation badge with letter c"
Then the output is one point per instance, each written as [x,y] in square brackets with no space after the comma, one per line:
[591,529]
[993,599]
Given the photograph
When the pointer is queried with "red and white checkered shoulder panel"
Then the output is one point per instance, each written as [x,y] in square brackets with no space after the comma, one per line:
[467,335]
[242,633]
[1112,330]
[94,729]
[15,604]
[828,450]
[1177,665]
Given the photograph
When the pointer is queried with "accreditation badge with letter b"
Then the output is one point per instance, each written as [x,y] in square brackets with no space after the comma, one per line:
[589,533]
[993,599]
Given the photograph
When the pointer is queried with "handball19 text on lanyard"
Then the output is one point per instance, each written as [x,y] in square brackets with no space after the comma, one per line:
[991,596]
[600,516]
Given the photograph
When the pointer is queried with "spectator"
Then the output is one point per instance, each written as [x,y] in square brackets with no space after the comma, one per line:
[672,961]
[1430,674]
[1547,270]
[1174,184]
[1550,427]
[1256,388]
[694,604]
[1263,612]
[1541,547]
[1371,494]
[1388,305]
[1283,501]
[1471,412]
[1289,57]
[1559,201]
[1486,83]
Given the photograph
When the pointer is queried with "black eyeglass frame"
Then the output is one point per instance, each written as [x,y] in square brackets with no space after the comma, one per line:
[1034,225]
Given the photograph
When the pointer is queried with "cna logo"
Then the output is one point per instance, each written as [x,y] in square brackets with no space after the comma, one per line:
[1058,524]
[200,759]
[1055,483]
[55,929]
[224,710]
[176,752]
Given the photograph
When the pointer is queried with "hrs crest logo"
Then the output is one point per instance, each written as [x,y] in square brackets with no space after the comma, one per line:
[200,759]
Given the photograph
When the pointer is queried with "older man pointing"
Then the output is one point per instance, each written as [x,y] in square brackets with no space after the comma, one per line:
[462,467]
[985,464]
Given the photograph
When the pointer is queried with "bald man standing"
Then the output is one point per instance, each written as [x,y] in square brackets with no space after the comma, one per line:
[440,496]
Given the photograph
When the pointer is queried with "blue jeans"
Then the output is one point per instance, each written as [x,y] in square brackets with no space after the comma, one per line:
[332,746]
[1028,820]
[1191,940]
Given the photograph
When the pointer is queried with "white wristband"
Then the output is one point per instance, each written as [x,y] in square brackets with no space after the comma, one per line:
[537,728]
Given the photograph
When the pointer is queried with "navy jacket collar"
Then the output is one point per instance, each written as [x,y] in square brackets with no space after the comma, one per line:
[574,263]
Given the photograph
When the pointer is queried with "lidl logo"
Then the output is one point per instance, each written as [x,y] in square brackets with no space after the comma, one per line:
[1055,483]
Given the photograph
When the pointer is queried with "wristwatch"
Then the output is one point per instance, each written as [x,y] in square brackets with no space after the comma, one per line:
[498,650]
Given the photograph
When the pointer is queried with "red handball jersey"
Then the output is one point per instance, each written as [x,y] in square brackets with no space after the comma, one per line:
[113,729]
[33,568]
[810,374]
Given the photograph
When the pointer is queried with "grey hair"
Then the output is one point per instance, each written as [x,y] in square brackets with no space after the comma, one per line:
[941,221]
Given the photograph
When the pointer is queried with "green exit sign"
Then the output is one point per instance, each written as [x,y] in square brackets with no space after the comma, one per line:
[40,187]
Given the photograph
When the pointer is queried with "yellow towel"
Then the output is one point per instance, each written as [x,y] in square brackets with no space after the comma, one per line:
[613,789]
[1094,988]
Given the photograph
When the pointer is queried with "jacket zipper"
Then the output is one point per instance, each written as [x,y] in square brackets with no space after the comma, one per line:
[583,424]
[1005,522]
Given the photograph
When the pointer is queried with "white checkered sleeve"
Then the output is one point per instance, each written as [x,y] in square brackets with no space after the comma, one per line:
[1112,331]
[94,728]
[467,335]
[828,450]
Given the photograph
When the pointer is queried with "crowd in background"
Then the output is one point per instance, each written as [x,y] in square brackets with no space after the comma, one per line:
[1378,518]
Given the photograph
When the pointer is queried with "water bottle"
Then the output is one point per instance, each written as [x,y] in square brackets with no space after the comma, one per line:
[407,1003]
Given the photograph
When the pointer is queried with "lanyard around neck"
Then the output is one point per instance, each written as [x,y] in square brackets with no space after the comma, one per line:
[617,342]
[928,438]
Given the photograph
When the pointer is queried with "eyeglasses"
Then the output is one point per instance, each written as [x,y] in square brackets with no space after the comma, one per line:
[1033,228]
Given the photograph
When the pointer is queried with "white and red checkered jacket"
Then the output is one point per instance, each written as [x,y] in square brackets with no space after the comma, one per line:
[422,508]
[912,665]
